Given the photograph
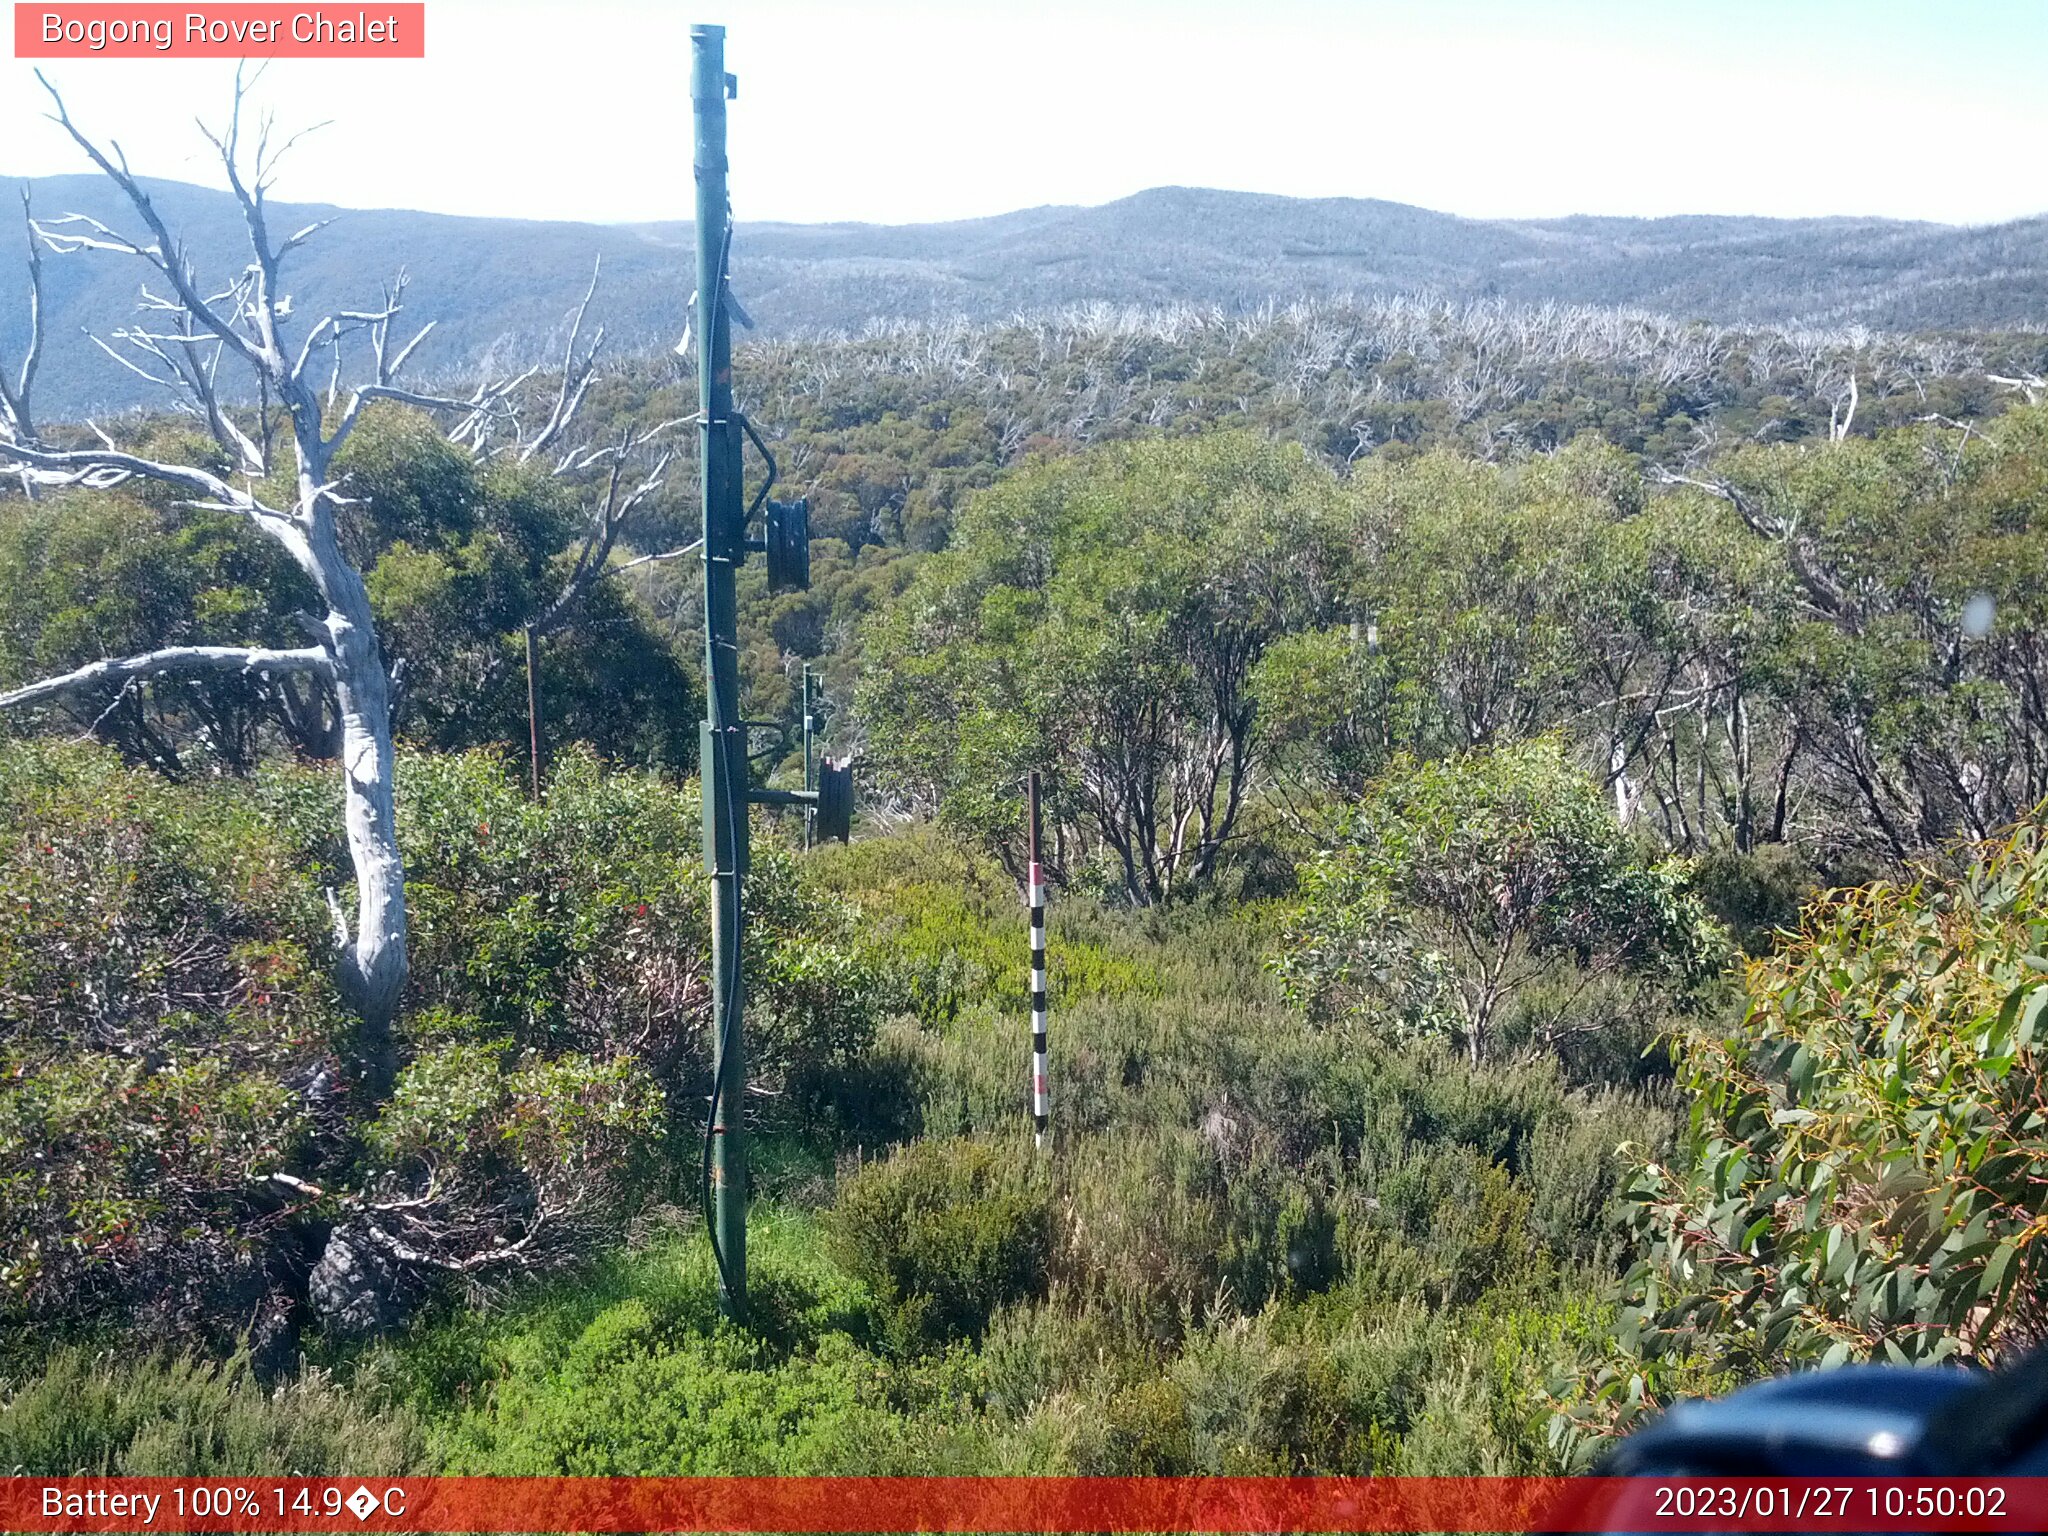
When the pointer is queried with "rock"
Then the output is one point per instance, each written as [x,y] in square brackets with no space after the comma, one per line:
[356,1289]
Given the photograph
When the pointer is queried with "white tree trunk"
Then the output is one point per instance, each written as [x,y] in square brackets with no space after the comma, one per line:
[373,967]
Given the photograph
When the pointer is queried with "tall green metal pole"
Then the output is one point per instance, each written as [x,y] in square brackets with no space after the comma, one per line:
[723,753]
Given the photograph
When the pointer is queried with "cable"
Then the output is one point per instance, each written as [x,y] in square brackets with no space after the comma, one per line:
[728,1023]
[726,1028]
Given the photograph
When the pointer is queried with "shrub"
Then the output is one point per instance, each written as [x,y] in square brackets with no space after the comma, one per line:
[167,1039]
[629,1370]
[1142,1230]
[166,1416]
[177,1134]
[796,1295]
[1859,1177]
[1458,883]
[1757,895]
[626,1403]
[947,929]
[580,924]
[486,1166]
[943,1233]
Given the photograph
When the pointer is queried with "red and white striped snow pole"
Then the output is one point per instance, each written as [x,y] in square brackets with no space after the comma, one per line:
[1040,1099]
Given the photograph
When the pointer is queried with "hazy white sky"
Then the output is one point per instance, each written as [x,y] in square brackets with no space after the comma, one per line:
[898,110]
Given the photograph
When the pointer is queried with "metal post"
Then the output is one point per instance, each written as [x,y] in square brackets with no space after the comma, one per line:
[723,752]
[1040,1100]
[810,778]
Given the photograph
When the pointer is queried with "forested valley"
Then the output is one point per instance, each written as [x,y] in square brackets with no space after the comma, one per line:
[1534,797]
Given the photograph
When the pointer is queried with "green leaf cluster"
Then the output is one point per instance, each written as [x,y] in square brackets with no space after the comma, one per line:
[1859,1175]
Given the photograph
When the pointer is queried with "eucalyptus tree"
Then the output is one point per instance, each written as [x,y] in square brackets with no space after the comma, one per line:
[1490,603]
[1102,618]
[1906,651]
[1460,886]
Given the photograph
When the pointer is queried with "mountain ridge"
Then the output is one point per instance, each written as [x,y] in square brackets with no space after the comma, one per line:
[501,288]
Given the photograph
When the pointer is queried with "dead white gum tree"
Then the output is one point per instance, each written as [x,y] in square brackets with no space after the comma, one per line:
[180,343]
[183,338]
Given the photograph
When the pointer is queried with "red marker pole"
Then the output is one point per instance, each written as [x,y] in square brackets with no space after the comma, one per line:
[1040,1101]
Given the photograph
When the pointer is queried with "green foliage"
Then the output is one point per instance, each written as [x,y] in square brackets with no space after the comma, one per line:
[1099,618]
[1215,1159]
[458,555]
[1917,723]
[1326,704]
[627,1371]
[943,928]
[1857,1180]
[94,574]
[558,1149]
[943,1233]
[163,1006]
[1756,895]
[1344,1384]
[580,923]
[174,1416]
[169,1040]
[622,1406]
[1257,1246]
[796,1295]
[893,433]
[1776,653]
[1458,883]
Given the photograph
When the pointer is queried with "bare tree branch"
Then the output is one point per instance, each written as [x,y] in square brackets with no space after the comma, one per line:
[668,554]
[166,255]
[263,311]
[2032,385]
[244,319]
[16,416]
[609,518]
[576,374]
[102,468]
[190,360]
[480,408]
[1820,587]
[177,658]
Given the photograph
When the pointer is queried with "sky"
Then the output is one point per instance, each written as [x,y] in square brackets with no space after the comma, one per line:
[896,111]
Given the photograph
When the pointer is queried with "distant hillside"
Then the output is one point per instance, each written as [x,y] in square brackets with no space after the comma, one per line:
[501,287]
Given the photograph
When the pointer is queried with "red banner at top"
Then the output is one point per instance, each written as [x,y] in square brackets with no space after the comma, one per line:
[380,30]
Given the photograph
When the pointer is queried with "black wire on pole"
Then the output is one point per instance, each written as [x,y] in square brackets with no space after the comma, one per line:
[716,304]
[725,1029]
